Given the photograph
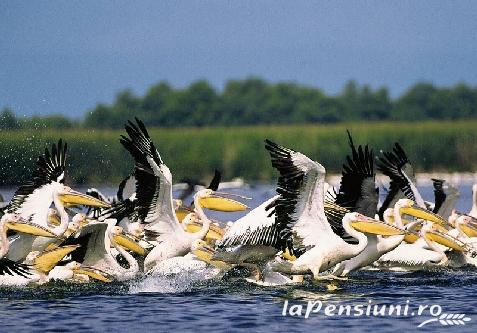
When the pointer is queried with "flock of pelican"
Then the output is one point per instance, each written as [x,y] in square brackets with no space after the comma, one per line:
[50,232]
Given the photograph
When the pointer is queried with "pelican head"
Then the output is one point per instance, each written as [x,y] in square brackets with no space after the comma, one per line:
[53,217]
[467,225]
[193,224]
[368,225]
[126,240]
[433,233]
[219,201]
[90,272]
[205,252]
[70,197]
[17,223]
[388,216]
[408,207]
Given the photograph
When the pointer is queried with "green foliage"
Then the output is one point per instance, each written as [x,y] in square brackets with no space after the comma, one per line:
[253,101]
[95,156]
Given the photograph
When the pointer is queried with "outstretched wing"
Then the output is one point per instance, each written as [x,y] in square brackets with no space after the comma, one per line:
[256,228]
[215,182]
[10,267]
[127,187]
[439,194]
[358,191]
[299,208]
[50,168]
[397,167]
[154,205]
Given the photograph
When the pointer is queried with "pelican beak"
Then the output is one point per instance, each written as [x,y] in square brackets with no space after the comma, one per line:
[222,202]
[372,226]
[470,229]
[204,252]
[424,214]
[182,211]
[48,260]
[129,242]
[215,232]
[411,237]
[54,220]
[92,273]
[31,229]
[73,198]
[288,256]
[445,240]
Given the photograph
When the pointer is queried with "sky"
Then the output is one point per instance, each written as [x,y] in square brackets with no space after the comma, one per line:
[67,56]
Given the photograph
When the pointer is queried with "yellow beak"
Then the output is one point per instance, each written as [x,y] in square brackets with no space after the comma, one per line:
[445,240]
[469,229]
[31,229]
[72,198]
[205,253]
[129,243]
[182,212]
[215,232]
[48,260]
[287,256]
[219,203]
[92,273]
[54,220]
[376,227]
[411,238]
[424,214]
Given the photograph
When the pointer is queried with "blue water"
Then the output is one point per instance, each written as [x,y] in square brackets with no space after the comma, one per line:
[188,303]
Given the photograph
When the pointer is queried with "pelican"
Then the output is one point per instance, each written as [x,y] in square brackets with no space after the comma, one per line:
[96,240]
[33,200]
[379,245]
[300,209]
[154,206]
[37,265]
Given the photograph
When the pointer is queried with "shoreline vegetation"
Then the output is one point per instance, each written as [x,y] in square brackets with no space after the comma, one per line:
[254,101]
[95,156]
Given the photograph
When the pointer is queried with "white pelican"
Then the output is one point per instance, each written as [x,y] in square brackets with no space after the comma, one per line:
[379,245]
[36,266]
[154,206]
[96,240]
[300,211]
[33,200]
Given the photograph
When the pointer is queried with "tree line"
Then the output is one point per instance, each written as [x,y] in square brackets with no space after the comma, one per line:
[254,101]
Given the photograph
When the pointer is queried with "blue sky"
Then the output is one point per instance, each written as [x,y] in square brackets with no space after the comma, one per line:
[66,56]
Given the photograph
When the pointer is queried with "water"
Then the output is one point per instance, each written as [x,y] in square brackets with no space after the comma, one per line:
[189,303]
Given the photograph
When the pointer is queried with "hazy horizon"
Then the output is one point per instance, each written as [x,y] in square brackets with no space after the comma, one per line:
[65,57]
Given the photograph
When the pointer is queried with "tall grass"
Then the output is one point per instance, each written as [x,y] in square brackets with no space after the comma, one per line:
[96,157]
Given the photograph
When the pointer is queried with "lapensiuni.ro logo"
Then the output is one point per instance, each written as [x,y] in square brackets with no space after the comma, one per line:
[430,313]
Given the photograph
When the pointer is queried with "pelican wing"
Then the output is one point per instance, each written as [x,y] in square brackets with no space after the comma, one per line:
[127,187]
[92,241]
[153,182]
[50,167]
[439,194]
[299,208]
[215,182]
[120,210]
[10,267]
[445,196]
[258,227]
[397,167]
[95,193]
[358,191]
